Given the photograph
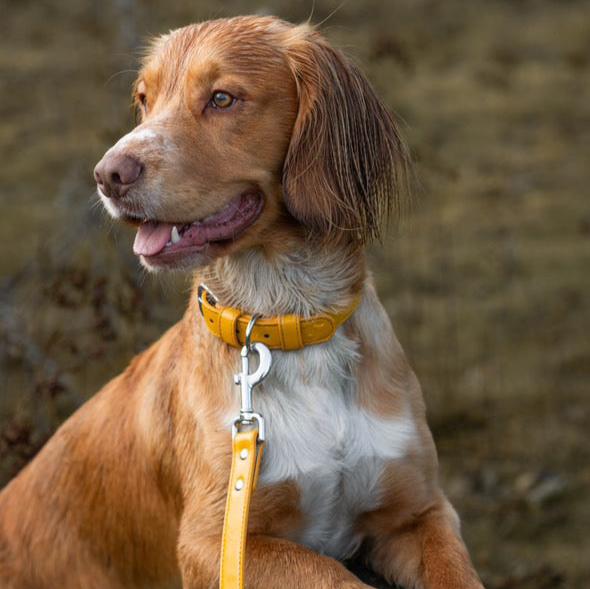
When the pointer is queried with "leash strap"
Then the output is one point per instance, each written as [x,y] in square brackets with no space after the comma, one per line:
[247,452]
[286,332]
[248,436]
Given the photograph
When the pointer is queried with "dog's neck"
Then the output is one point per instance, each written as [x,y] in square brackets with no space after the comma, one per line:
[305,279]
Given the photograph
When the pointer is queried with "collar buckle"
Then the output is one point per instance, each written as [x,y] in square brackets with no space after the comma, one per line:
[202,291]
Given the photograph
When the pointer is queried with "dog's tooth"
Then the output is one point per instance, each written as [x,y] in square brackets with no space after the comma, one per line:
[174,235]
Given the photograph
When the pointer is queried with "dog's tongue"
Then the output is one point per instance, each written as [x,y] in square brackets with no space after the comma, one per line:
[151,238]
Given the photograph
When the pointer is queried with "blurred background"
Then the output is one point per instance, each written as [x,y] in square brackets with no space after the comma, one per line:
[486,281]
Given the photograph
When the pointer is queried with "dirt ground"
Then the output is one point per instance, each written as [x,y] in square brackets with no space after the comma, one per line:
[486,280]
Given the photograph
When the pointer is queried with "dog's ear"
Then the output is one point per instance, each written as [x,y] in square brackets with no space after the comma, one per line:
[346,164]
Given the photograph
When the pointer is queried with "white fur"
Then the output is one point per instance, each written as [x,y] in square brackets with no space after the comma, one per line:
[320,438]
[146,143]
[318,435]
[112,210]
[138,135]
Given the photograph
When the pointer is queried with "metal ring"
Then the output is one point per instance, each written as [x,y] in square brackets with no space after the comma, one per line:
[204,290]
[252,419]
[250,328]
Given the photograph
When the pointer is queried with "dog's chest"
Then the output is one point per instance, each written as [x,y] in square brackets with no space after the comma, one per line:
[319,437]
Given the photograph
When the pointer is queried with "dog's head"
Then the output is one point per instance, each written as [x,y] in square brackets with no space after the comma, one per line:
[246,125]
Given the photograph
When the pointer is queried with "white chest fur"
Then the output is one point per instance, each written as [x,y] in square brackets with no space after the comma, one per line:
[319,437]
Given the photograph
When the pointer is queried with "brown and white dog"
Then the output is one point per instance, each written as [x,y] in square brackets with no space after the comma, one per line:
[264,162]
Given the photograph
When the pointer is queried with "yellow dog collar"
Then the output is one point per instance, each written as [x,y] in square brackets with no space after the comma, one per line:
[285,332]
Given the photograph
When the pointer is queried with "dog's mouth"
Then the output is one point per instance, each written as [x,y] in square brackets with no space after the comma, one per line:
[160,241]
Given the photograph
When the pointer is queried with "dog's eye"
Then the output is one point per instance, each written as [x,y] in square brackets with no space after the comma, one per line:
[222,100]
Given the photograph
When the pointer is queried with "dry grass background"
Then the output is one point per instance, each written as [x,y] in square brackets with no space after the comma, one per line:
[486,281]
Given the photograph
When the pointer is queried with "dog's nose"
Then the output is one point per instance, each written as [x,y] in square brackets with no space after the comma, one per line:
[116,173]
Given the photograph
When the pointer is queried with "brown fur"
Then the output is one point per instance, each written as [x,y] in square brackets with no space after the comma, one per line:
[130,492]
[346,165]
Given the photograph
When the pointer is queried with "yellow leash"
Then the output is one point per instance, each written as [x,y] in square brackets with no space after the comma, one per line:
[246,456]
[247,448]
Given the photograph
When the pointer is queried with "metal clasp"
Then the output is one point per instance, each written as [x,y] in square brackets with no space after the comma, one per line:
[247,381]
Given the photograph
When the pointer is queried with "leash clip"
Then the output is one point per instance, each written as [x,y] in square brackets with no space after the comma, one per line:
[247,381]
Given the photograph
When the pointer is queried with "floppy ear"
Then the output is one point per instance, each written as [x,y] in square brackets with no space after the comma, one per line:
[346,164]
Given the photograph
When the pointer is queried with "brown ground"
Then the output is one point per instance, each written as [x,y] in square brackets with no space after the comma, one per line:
[486,282]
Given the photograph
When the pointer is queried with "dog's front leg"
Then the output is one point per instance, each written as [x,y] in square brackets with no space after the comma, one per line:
[271,563]
[426,552]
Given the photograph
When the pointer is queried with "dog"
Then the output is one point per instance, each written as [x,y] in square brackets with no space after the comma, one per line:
[263,162]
